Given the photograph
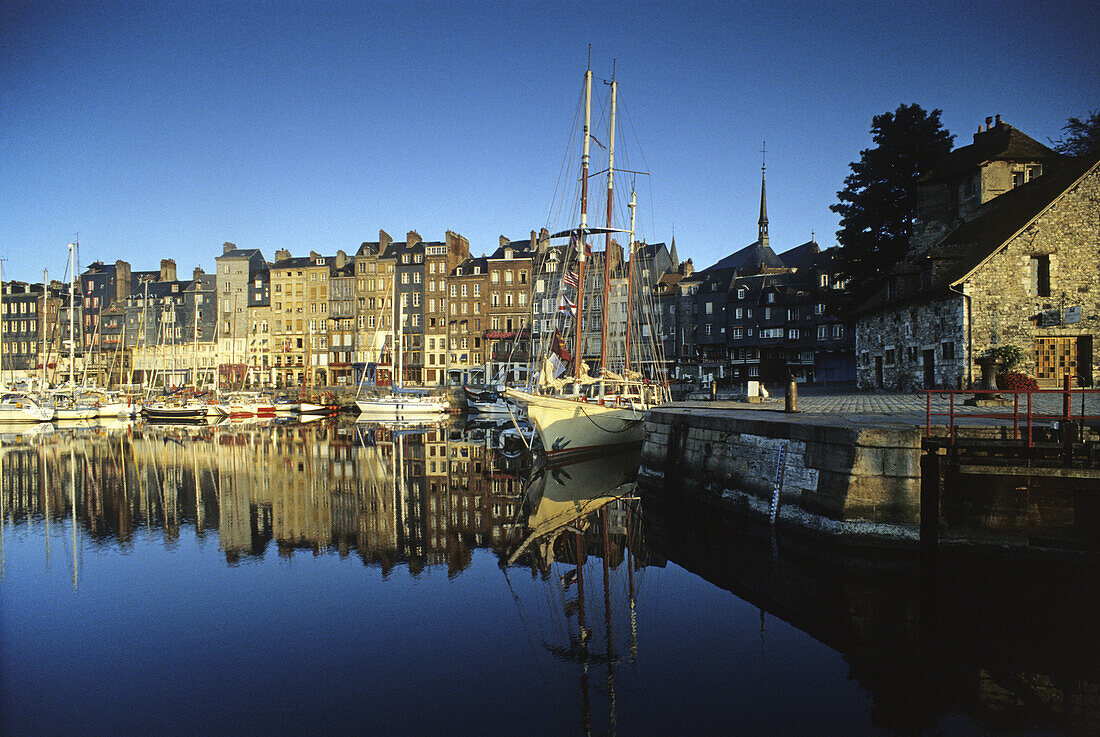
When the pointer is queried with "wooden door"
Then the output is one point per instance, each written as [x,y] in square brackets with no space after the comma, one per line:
[1055,357]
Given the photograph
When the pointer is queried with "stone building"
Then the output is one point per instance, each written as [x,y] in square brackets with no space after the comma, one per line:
[467,321]
[237,271]
[1021,269]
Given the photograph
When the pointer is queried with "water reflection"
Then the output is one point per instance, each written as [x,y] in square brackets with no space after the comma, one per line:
[1007,641]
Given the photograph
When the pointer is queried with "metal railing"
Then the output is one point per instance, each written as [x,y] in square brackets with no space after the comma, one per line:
[1023,416]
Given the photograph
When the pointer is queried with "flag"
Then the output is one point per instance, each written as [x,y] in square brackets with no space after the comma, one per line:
[571,279]
[567,306]
[559,354]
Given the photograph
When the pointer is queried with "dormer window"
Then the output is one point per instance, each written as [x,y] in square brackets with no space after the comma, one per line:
[508,253]
[741,292]
[771,297]
[320,262]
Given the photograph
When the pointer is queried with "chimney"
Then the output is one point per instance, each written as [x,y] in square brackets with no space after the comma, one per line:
[988,122]
[384,239]
[167,269]
[412,238]
[341,259]
[282,255]
[502,241]
[313,255]
[227,247]
[457,244]
[997,117]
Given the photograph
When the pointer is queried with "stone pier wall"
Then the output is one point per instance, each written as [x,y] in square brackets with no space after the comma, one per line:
[834,468]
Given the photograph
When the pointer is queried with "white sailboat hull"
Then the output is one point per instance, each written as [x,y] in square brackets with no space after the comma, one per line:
[22,411]
[400,408]
[571,428]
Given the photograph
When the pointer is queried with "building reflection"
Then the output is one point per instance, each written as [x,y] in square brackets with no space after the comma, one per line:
[1008,640]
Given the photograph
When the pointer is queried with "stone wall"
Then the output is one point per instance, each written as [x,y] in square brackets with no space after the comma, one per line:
[1005,309]
[833,468]
[905,333]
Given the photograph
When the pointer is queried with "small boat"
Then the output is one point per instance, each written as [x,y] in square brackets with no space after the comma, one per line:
[22,408]
[487,401]
[184,411]
[401,408]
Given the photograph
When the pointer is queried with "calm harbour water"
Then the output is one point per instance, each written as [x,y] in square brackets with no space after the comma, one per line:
[339,579]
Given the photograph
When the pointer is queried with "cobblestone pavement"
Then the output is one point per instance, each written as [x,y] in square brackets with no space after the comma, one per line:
[912,407]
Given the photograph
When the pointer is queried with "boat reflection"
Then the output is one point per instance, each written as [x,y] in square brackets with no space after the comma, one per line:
[1009,642]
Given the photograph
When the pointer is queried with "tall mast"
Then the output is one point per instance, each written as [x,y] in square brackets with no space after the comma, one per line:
[630,284]
[607,238]
[582,236]
[2,325]
[72,312]
[42,324]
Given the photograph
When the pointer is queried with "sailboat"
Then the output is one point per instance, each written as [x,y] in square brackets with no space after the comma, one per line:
[586,414]
[66,405]
[399,406]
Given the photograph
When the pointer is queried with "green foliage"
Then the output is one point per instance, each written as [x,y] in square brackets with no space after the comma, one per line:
[1082,137]
[1010,355]
[879,201]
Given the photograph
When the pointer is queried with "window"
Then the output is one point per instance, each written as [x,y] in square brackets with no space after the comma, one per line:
[819,309]
[736,313]
[709,308]
[889,357]
[767,313]
[822,331]
[707,329]
[838,331]
[949,351]
[1040,275]
[737,333]
[771,297]
[792,314]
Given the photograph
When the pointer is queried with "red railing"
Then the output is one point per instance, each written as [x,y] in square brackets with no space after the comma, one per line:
[1027,415]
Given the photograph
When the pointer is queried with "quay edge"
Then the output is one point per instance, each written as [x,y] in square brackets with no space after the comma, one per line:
[844,480]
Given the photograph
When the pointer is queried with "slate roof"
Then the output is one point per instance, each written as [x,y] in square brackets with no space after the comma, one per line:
[239,253]
[1003,216]
[801,257]
[999,143]
[751,258]
[997,221]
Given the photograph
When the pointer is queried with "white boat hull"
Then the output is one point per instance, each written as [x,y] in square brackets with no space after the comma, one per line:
[401,410]
[24,412]
[571,428]
[75,413]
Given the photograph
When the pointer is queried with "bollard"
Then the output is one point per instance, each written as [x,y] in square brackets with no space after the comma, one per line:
[791,400]
[713,390]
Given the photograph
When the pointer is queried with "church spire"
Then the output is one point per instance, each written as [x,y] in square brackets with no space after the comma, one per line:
[763,237]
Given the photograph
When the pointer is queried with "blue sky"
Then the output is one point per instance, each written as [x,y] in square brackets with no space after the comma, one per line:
[163,129]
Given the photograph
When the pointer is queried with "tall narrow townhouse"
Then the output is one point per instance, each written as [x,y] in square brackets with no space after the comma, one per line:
[341,319]
[467,321]
[288,312]
[409,292]
[440,259]
[509,333]
[237,269]
[317,273]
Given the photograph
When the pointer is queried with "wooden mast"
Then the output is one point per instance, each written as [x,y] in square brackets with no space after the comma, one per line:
[630,283]
[582,235]
[607,238]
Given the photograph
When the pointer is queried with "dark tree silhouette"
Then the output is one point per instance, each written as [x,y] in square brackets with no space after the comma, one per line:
[879,200]
[1080,137]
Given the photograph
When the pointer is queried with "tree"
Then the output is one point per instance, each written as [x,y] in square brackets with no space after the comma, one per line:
[879,201]
[1081,137]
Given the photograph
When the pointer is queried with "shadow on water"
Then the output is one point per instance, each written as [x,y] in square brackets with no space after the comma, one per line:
[1007,638]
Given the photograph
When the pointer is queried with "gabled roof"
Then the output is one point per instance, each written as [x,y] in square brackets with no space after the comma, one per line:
[240,253]
[1000,143]
[800,257]
[1004,216]
[751,258]
[998,221]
